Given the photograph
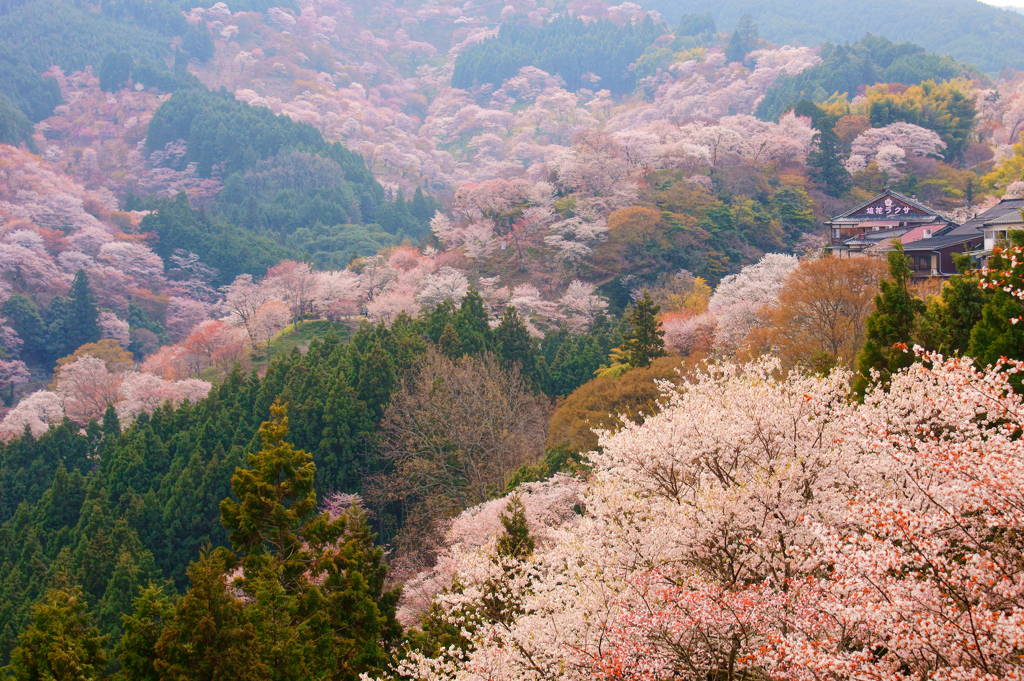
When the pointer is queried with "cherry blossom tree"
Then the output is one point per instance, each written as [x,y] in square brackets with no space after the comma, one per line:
[111,326]
[36,412]
[761,525]
[739,298]
[86,388]
[141,393]
[891,145]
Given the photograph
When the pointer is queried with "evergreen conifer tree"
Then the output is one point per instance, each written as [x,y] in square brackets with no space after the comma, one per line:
[76,322]
[515,542]
[514,345]
[471,324]
[644,340]
[209,637]
[61,642]
[152,610]
[743,40]
[892,323]
[24,318]
[315,585]
[449,342]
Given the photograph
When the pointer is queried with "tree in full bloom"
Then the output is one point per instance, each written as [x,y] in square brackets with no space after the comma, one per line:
[739,298]
[762,525]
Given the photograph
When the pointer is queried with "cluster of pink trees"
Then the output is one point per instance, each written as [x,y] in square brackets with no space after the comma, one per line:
[98,138]
[417,131]
[890,147]
[82,391]
[763,526]
[378,288]
[51,227]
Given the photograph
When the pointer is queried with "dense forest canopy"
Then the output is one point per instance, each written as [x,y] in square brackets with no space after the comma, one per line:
[445,340]
[594,55]
[968,30]
[846,69]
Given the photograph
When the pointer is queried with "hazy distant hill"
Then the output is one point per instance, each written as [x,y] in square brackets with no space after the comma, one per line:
[986,36]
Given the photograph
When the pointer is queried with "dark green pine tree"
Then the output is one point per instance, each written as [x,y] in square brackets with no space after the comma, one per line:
[437,318]
[948,321]
[152,610]
[315,584]
[515,542]
[825,161]
[209,637]
[342,458]
[115,71]
[275,497]
[995,336]
[24,318]
[131,571]
[889,329]
[77,323]
[449,342]
[471,324]
[644,339]
[743,41]
[514,345]
[375,378]
[61,643]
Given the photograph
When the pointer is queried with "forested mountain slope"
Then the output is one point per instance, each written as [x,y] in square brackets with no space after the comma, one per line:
[303,301]
[969,30]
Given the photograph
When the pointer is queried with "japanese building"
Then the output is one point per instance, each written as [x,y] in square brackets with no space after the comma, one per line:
[929,239]
[876,223]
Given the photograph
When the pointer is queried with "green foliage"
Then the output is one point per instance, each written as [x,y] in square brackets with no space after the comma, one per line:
[825,161]
[695,24]
[889,329]
[229,249]
[317,584]
[743,40]
[514,345]
[115,71]
[208,638]
[970,31]
[515,542]
[846,68]
[24,318]
[15,127]
[566,47]
[945,107]
[75,320]
[287,192]
[35,96]
[950,317]
[143,624]
[114,508]
[644,339]
[60,644]
[71,35]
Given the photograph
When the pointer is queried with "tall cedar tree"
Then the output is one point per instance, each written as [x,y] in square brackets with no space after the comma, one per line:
[825,161]
[514,345]
[644,339]
[743,40]
[995,335]
[209,638]
[61,643]
[315,584]
[76,322]
[471,324]
[152,610]
[891,324]
[951,316]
